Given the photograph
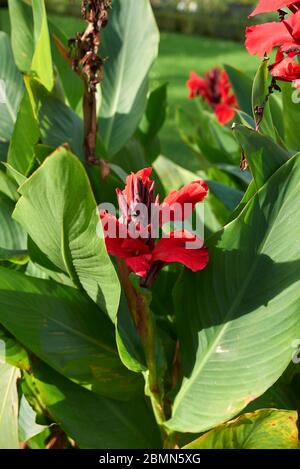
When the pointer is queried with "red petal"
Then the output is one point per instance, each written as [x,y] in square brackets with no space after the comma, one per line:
[139,264]
[176,249]
[261,39]
[286,70]
[294,20]
[224,113]
[184,200]
[135,247]
[266,6]
[127,193]
[196,85]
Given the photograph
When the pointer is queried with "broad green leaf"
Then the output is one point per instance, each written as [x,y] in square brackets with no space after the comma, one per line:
[211,142]
[11,89]
[128,340]
[8,407]
[22,38]
[264,429]
[64,225]
[59,124]
[72,84]
[8,186]
[25,136]
[67,331]
[41,65]
[131,45]
[291,113]
[242,87]
[12,235]
[17,177]
[94,421]
[243,308]
[45,267]
[154,116]
[264,156]
[250,192]
[12,352]
[229,196]
[260,101]
[260,88]
[28,428]
[31,41]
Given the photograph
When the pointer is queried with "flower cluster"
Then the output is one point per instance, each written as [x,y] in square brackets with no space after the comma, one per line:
[216,90]
[133,236]
[285,34]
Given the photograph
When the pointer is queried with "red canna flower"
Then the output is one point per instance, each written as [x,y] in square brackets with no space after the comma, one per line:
[133,236]
[216,90]
[267,6]
[285,35]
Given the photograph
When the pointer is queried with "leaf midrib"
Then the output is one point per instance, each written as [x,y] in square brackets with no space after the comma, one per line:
[5,398]
[243,289]
[117,90]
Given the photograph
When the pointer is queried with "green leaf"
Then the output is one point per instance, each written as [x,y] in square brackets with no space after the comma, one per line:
[128,340]
[264,156]
[264,429]
[59,124]
[31,41]
[8,407]
[8,186]
[67,331]
[12,93]
[291,102]
[243,308]
[72,84]
[25,136]
[260,88]
[124,89]
[242,87]
[154,116]
[64,225]
[12,236]
[230,197]
[22,38]
[41,65]
[12,352]
[261,101]
[94,421]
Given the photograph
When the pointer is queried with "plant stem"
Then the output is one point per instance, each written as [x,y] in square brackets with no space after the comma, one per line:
[139,306]
[84,51]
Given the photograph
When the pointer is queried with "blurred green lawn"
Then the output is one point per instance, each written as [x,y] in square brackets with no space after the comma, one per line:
[179,55]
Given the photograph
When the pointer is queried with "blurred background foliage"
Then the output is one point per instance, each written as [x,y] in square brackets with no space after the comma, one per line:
[195,35]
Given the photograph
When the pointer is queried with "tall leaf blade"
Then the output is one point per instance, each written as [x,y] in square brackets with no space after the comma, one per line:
[58,210]
[94,421]
[8,406]
[67,331]
[41,65]
[11,89]
[263,429]
[242,310]
[131,44]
